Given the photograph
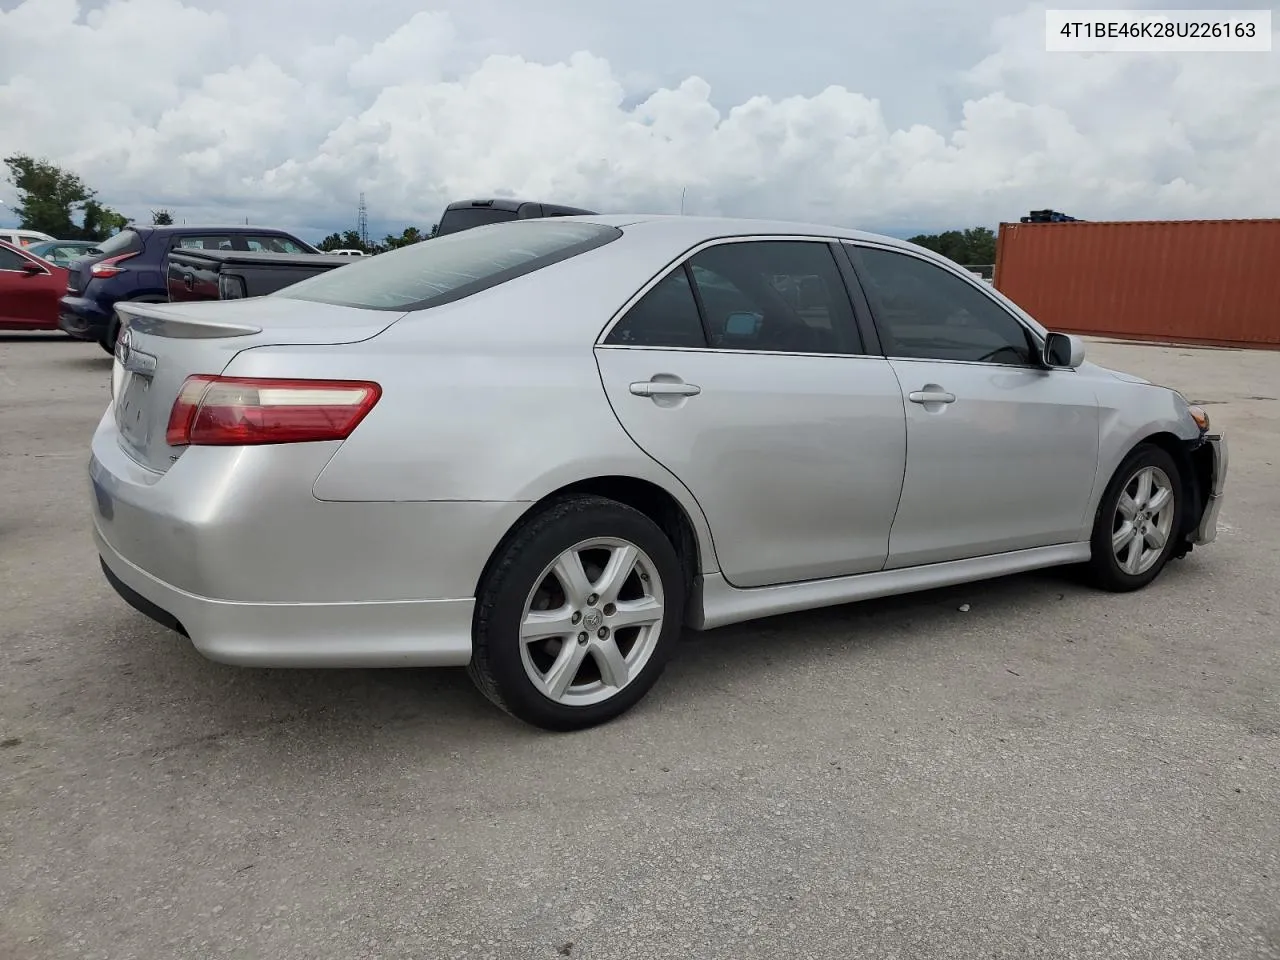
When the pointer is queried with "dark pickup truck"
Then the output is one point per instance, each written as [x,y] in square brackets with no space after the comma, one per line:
[231,274]
[465,214]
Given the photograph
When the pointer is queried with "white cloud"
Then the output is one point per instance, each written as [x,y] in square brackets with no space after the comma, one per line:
[224,110]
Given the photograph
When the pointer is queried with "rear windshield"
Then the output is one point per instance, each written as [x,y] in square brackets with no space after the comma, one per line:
[464,218]
[122,242]
[438,271]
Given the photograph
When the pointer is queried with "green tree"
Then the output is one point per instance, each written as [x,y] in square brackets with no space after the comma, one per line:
[101,222]
[161,218]
[973,247]
[50,199]
[346,240]
[48,196]
[409,236]
[981,244]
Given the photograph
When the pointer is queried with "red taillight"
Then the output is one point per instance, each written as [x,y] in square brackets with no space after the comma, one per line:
[107,268]
[238,411]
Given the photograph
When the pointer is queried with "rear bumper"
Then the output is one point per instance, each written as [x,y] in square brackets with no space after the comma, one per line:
[412,633]
[230,547]
[82,318]
[1207,530]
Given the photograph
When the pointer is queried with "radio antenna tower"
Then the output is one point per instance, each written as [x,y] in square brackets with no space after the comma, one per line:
[362,222]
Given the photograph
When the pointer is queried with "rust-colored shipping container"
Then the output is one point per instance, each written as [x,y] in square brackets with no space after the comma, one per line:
[1184,281]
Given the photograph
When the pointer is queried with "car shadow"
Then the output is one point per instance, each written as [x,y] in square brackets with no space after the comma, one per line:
[35,336]
[200,706]
[100,362]
[406,696]
[870,623]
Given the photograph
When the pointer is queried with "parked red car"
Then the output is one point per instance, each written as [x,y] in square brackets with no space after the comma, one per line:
[31,290]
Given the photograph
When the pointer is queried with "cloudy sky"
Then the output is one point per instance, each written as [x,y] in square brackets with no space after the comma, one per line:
[897,116]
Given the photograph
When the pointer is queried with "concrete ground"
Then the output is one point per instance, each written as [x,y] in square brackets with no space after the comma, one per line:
[1049,772]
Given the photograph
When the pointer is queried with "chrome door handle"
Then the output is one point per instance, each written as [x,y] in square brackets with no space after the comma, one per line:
[931,396]
[662,388]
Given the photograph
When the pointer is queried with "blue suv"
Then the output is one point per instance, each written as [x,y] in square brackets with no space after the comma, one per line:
[131,266]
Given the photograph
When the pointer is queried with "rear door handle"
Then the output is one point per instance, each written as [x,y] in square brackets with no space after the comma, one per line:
[931,396]
[664,388]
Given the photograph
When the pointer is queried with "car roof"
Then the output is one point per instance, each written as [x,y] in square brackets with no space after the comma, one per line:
[251,257]
[685,232]
[22,232]
[696,229]
[205,227]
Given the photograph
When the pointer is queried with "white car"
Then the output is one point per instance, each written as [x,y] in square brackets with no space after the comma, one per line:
[542,448]
[23,238]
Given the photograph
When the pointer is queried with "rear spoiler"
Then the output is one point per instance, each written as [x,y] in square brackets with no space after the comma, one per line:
[164,320]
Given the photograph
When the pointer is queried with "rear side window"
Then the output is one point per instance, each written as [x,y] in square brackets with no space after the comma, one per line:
[215,242]
[666,316]
[782,296]
[126,241]
[438,271]
[271,244]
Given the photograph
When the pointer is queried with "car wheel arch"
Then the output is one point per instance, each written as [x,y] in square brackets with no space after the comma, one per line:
[645,496]
[1189,474]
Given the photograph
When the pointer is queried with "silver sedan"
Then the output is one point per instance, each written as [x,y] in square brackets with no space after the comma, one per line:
[543,448]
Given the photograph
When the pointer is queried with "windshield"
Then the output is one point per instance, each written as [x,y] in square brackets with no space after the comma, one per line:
[433,272]
[60,248]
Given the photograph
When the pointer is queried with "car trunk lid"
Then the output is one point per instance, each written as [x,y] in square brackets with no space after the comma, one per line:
[162,344]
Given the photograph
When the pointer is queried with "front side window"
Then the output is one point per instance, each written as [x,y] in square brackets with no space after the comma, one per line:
[666,316]
[924,312]
[10,260]
[784,296]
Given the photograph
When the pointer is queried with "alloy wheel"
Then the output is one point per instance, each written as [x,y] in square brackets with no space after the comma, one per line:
[1143,521]
[592,621]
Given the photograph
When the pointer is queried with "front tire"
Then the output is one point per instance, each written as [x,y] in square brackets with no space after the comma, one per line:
[1138,522]
[578,614]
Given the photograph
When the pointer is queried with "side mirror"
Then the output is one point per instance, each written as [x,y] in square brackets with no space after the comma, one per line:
[742,324]
[1063,350]
[31,267]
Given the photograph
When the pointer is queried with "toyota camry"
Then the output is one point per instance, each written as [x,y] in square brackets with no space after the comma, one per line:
[544,448]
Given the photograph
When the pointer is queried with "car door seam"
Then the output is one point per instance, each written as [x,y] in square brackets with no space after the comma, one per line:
[906,459]
[715,553]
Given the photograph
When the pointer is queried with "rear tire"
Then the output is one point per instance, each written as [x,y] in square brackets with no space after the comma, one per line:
[1136,528]
[108,340]
[564,644]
